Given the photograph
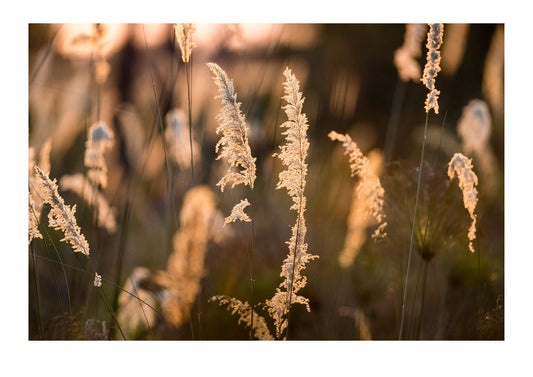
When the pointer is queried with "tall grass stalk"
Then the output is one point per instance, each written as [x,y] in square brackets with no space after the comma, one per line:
[424,260]
[188,73]
[413,230]
[293,156]
[431,69]
[183,34]
[235,148]
[61,216]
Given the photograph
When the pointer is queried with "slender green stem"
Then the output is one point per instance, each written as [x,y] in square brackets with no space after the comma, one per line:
[413,227]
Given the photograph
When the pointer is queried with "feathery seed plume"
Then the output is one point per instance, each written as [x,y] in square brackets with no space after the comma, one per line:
[454,48]
[61,216]
[434,41]
[35,190]
[237,213]
[293,155]
[367,201]
[405,58]
[99,139]
[361,321]
[177,137]
[261,330]
[493,72]
[184,34]
[97,280]
[461,166]
[369,186]
[133,311]
[33,221]
[186,265]
[174,289]
[44,156]
[233,145]
[475,126]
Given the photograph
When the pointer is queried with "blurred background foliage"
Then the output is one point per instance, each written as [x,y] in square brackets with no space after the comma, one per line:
[350,85]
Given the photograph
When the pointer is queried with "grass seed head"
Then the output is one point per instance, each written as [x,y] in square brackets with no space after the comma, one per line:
[432,68]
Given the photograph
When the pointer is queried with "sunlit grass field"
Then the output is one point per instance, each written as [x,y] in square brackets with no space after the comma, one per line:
[129,119]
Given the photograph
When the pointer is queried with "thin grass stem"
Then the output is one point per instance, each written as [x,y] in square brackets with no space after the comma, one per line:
[36,281]
[394,120]
[160,121]
[46,53]
[413,228]
[103,280]
[252,278]
[480,296]
[121,248]
[188,73]
[45,231]
[288,310]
